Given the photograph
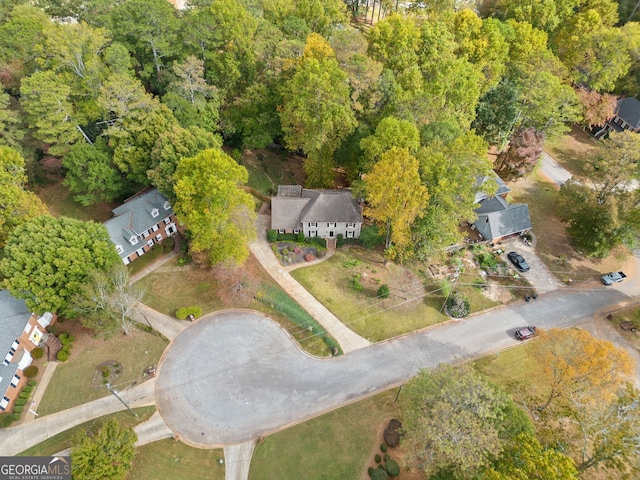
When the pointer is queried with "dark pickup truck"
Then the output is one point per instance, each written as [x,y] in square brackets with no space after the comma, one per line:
[613,277]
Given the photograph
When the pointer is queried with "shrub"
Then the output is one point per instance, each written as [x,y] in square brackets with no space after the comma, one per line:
[31,371]
[309,257]
[377,458]
[383,448]
[27,389]
[272,236]
[383,291]
[392,467]
[20,402]
[386,457]
[184,312]
[16,416]
[37,352]
[32,383]
[168,244]
[457,306]
[18,409]
[369,470]
[486,260]
[391,434]
[355,283]
[300,237]
[379,474]
[62,356]
[340,240]
[370,237]
[23,394]
[6,419]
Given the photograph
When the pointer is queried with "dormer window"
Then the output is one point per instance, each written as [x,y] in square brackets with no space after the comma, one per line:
[119,249]
[155,212]
[166,205]
[133,240]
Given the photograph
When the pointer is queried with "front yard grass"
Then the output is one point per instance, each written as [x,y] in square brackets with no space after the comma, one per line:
[71,384]
[571,150]
[63,440]
[336,445]
[61,203]
[411,306]
[171,459]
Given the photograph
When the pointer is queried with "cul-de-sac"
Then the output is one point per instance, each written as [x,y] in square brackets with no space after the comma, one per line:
[320,239]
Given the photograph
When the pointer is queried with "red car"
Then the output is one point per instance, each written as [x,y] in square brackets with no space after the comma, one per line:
[526,332]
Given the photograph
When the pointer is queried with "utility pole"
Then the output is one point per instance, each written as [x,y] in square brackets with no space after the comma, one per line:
[115,394]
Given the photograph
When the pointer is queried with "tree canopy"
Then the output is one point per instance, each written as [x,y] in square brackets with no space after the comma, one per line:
[47,261]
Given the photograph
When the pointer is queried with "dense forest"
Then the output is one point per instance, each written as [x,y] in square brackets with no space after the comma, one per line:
[121,91]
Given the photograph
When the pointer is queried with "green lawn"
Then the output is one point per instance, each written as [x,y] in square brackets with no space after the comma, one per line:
[167,459]
[146,260]
[61,203]
[410,306]
[71,384]
[62,441]
[338,445]
[571,150]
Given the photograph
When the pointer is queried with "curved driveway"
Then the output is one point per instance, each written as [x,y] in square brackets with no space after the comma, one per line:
[234,376]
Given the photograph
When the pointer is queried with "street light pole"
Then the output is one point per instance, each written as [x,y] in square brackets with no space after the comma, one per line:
[115,394]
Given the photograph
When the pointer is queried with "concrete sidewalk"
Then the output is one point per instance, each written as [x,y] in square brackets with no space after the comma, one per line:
[349,341]
[168,326]
[14,440]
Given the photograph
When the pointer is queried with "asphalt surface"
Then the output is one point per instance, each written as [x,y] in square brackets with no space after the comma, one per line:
[554,172]
[235,376]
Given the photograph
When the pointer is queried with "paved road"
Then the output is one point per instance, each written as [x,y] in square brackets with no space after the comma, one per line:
[251,379]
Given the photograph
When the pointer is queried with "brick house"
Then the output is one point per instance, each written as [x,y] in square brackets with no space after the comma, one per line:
[139,223]
[21,332]
[317,213]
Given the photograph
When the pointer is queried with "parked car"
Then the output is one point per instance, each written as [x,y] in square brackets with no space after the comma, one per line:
[526,332]
[518,261]
[613,277]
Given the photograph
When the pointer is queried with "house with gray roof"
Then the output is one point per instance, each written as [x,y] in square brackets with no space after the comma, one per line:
[21,332]
[317,213]
[497,219]
[627,117]
[139,223]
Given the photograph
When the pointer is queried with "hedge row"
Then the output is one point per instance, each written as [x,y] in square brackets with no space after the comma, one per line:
[184,312]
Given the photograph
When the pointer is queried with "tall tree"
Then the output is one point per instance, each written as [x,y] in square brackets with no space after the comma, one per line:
[11,132]
[18,204]
[106,455]
[450,170]
[316,114]
[522,155]
[217,212]
[572,361]
[47,260]
[108,301]
[396,197]
[601,208]
[496,113]
[46,99]
[390,132]
[90,173]
[598,108]
[452,420]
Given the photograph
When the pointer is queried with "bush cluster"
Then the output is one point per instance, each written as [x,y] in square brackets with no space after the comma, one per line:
[458,306]
[62,356]
[272,236]
[37,353]
[383,291]
[184,312]
[355,282]
[31,371]
[370,237]
[283,303]
[66,340]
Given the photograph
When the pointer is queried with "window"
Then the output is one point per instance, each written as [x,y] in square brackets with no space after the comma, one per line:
[350,234]
[313,233]
[296,231]
[155,212]
[150,243]
[166,206]
[3,403]
[119,249]
[155,228]
[281,231]
[15,380]
[27,328]
[167,221]
[140,252]
[351,225]
[313,225]
[331,225]
[145,234]
[171,229]
[133,240]
[158,237]
[126,261]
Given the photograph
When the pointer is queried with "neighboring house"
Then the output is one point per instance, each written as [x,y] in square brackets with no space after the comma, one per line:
[317,213]
[627,117]
[497,218]
[21,332]
[139,223]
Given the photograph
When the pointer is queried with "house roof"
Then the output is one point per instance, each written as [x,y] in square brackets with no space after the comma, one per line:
[501,187]
[14,316]
[134,217]
[498,218]
[629,111]
[289,211]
